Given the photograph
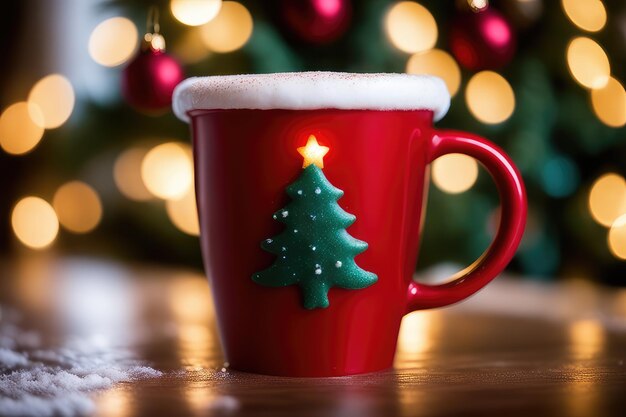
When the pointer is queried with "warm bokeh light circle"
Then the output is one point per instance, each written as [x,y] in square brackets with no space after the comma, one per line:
[21,128]
[77,206]
[478,5]
[617,237]
[589,15]
[609,103]
[490,97]
[113,41]
[190,48]
[607,198]
[454,173]
[127,174]
[588,63]
[229,30]
[195,12]
[53,96]
[34,222]
[167,170]
[183,213]
[410,27]
[439,63]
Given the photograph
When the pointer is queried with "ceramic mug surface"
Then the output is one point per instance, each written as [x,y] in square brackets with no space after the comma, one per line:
[245,159]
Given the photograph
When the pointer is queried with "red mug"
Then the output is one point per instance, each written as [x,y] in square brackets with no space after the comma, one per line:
[374,140]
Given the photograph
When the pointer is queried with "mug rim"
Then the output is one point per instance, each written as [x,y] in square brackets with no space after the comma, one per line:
[201,112]
[312,91]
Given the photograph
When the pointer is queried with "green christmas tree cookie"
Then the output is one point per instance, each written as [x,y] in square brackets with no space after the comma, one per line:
[314,251]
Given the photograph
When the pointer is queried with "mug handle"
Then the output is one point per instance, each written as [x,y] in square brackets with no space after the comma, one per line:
[510,230]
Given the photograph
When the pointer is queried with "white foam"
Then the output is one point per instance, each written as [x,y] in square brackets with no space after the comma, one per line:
[312,90]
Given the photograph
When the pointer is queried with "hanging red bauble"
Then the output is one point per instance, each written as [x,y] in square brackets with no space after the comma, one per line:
[482,40]
[316,22]
[149,79]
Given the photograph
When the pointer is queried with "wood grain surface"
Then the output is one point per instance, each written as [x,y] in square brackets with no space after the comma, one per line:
[518,348]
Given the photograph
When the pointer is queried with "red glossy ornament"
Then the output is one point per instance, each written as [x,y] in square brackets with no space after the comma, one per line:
[482,40]
[316,21]
[244,159]
[149,80]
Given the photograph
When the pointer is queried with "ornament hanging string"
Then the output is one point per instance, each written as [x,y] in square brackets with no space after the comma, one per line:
[153,39]
[151,76]
[152,23]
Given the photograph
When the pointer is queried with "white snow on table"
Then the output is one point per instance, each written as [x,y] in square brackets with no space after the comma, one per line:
[57,382]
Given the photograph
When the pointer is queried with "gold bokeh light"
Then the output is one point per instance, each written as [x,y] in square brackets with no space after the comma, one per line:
[167,170]
[418,334]
[190,48]
[587,338]
[589,15]
[54,97]
[439,63]
[588,63]
[34,222]
[454,173]
[189,299]
[609,103]
[478,5]
[617,237]
[21,128]
[229,30]
[113,41]
[607,198]
[410,27]
[127,174]
[490,97]
[115,402]
[195,12]
[183,213]
[78,207]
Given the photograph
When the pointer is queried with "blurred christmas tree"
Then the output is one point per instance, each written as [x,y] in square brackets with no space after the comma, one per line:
[540,78]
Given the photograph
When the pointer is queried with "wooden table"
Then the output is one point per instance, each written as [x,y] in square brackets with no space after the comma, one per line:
[517,348]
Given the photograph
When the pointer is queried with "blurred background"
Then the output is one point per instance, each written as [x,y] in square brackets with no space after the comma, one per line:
[92,165]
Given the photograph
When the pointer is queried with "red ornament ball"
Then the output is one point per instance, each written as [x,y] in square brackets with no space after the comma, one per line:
[482,40]
[149,80]
[316,22]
